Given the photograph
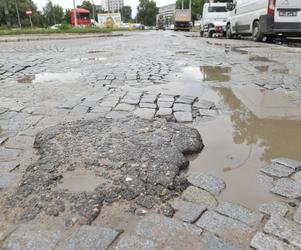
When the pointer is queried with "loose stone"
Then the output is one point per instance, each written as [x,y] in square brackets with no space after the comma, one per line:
[263,241]
[287,188]
[296,165]
[274,208]
[277,170]
[207,182]
[285,229]
[187,211]
[183,117]
[238,212]
[199,196]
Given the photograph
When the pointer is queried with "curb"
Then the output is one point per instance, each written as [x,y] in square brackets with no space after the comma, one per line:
[47,37]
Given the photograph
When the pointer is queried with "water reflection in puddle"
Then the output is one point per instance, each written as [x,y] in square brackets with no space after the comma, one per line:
[46,77]
[208,73]
[256,127]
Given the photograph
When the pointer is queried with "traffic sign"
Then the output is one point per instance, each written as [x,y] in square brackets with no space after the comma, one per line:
[29,12]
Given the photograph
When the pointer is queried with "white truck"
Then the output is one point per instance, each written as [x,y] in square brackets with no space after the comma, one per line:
[264,18]
[182,19]
[214,19]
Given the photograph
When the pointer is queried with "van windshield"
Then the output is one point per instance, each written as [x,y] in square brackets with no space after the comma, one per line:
[217,9]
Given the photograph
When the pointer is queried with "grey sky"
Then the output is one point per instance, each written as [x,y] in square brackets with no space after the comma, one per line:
[68,3]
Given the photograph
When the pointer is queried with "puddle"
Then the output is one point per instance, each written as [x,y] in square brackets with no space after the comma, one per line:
[80,181]
[207,73]
[47,77]
[256,58]
[262,69]
[89,59]
[258,125]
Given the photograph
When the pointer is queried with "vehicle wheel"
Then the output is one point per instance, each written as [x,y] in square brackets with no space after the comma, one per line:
[257,34]
[210,34]
[201,33]
[269,39]
[228,32]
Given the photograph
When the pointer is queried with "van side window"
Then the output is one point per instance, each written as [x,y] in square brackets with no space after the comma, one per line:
[217,9]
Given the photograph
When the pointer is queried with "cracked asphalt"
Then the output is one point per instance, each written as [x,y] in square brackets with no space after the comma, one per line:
[242,191]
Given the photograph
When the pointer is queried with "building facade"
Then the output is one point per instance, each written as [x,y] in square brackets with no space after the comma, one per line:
[112,5]
[166,14]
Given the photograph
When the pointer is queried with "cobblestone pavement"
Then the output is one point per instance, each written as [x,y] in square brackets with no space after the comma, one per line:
[179,77]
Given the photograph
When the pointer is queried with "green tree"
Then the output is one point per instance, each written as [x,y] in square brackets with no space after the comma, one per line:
[86,5]
[53,14]
[22,5]
[67,17]
[147,11]
[126,14]
[196,7]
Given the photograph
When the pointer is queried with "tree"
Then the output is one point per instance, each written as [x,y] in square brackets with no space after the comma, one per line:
[67,17]
[196,7]
[23,5]
[53,14]
[126,14]
[147,12]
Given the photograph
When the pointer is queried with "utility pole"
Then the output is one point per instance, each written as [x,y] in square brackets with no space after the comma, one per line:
[75,14]
[182,4]
[6,13]
[18,15]
[93,10]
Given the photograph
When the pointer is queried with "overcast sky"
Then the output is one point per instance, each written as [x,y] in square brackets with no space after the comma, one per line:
[69,3]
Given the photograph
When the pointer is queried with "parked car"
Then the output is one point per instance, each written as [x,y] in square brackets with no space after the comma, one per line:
[264,18]
[214,19]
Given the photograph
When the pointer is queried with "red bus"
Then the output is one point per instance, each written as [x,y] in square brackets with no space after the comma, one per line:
[83,17]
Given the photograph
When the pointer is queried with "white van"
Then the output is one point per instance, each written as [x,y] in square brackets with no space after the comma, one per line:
[264,18]
[214,19]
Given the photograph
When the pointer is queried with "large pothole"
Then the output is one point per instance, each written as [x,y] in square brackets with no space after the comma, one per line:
[84,163]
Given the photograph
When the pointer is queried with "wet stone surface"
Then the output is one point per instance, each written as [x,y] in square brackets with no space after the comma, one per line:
[136,159]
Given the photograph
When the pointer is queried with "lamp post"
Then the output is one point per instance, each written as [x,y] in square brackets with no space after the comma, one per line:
[93,10]
[75,14]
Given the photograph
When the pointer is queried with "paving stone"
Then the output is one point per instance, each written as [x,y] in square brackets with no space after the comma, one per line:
[147,105]
[284,229]
[226,227]
[165,104]
[8,155]
[69,104]
[6,167]
[145,113]
[207,182]
[297,215]
[3,110]
[149,98]
[296,165]
[277,170]
[32,239]
[186,99]
[204,104]
[89,237]
[199,196]
[297,176]
[187,211]
[101,109]
[182,107]
[160,228]
[183,117]
[208,112]
[164,112]
[133,101]
[124,107]
[274,208]
[287,188]
[238,212]
[109,103]
[263,241]
[163,98]
[265,180]
[7,179]
[134,242]
[211,242]
[117,114]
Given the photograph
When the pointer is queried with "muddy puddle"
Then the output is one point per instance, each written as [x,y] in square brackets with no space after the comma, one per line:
[48,77]
[80,181]
[255,127]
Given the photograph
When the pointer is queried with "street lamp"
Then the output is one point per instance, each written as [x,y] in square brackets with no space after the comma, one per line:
[18,15]
[75,14]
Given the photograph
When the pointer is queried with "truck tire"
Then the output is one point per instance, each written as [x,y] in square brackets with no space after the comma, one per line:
[210,34]
[257,35]
[228,32]
[201,33]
